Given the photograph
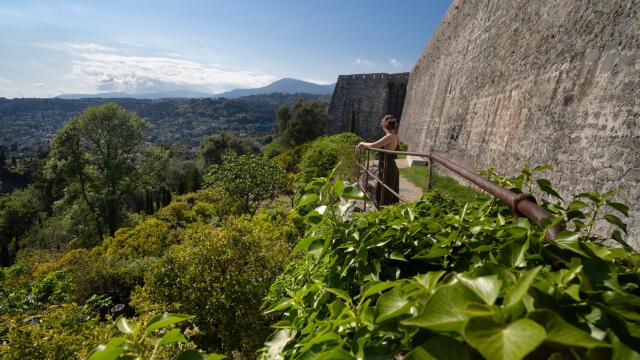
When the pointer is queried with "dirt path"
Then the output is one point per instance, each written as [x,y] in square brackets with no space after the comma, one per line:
[408,190]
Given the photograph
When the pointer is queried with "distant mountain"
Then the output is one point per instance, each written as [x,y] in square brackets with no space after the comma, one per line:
[286,86]
[108,95]
[155,95]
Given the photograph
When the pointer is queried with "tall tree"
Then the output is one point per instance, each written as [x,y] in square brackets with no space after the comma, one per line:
[95,153]
[306,121]
[19,210]
[213,147]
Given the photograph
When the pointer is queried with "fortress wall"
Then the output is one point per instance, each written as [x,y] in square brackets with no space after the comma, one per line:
[504,83]
[366,98]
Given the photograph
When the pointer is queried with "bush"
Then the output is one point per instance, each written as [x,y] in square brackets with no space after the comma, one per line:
[325,153]
[250,179]
[96,274]
[61,332]
[148,239]
[273,149]
[220,276]
[450,280]
[50,234]
[53,289]
[290,159]
[207,205]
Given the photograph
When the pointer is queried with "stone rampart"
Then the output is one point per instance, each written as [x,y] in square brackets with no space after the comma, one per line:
[504,83]
[359,101]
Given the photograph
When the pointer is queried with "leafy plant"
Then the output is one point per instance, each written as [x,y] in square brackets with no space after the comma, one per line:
[144,340]
[220,275]
[329,152]
[440,279]
[61,332]
[251,179]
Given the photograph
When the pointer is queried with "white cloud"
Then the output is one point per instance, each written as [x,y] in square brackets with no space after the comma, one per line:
[111,72]
[88,47]
[319,82]
[365,62]
[112,69]
[396,63]
[38,85]
[5,81]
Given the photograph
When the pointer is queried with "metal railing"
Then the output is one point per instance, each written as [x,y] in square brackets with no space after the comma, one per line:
[523,205]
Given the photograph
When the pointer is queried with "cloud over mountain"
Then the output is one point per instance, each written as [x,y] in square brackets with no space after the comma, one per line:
[111,69]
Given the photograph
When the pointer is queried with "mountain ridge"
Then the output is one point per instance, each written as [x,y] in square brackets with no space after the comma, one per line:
[284,86]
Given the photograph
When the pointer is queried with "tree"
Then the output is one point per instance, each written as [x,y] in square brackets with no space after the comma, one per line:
[19,210]
[213,147]
[283,116]
[251,179]
[95,153]
[306,121]
[154,177]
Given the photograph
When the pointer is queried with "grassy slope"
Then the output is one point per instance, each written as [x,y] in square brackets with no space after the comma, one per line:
[441,184]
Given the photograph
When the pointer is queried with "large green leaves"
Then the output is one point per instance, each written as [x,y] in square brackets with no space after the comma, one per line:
[561,332]
[110,351]
[486,287]
[391,304]
[569,240]
[496,341]
[439,348]
[164,320]
[440,278]
[443,310]
[519,290]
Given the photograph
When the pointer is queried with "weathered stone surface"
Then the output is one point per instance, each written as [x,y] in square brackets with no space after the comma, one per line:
[508,82]
[360,101]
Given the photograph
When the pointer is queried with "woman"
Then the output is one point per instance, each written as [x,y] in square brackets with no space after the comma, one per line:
[387,169]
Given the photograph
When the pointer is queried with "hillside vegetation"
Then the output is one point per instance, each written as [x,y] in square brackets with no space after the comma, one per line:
[118,250]
[30,124]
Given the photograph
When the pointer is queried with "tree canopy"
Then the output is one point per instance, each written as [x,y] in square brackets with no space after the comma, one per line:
[250,179]
[305,121]
[96,154]
[214,147]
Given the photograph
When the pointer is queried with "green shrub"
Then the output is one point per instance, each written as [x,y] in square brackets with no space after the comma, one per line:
[273,149]
[329,152]
[207,205]
[148,239]
[155,337]
[96,274]
[250,179]
[61,332]
[449,280]
[53,289]
[290,159]
[50,234]
[220,275]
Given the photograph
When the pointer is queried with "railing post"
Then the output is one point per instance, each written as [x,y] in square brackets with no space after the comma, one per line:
[366,180]
[430,182]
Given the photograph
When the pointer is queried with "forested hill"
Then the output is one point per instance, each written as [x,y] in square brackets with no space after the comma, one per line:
[29,124]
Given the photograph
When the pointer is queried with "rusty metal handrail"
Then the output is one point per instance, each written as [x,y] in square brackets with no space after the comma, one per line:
[369,173]
[521,204]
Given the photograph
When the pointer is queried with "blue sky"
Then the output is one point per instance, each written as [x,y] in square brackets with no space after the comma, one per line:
[48,48]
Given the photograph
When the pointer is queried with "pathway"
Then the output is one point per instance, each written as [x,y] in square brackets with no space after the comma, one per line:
[408,190]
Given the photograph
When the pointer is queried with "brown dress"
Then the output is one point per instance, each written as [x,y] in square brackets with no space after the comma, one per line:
[389,174]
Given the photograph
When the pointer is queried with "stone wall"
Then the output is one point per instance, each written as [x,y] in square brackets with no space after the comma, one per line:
[360,101]
[510,82]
